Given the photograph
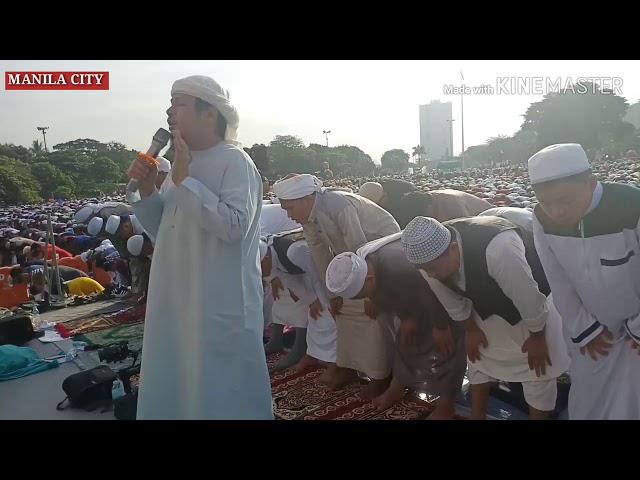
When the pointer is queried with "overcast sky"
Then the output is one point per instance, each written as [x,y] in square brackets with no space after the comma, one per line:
[370,104]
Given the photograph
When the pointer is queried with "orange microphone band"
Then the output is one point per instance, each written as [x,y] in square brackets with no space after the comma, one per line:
[148,159]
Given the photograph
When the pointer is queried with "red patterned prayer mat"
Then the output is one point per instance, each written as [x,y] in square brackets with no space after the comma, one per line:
[134,314]
[299,396]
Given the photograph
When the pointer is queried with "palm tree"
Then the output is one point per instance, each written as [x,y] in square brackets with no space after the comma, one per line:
[418,151]
[414,153]
[37,149]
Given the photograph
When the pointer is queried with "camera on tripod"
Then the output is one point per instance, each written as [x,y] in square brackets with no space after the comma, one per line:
[116,352]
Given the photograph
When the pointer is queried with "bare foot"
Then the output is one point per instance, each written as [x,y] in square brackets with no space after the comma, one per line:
[289,361]
[445,409]
[273,347]
[328,374]
[342,377]
[306,363]
[392,395]
[374,389]
[134,298]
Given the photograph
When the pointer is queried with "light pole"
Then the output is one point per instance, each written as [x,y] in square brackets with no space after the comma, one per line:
[450,122]
[44,135]
[326,136]
[462,120]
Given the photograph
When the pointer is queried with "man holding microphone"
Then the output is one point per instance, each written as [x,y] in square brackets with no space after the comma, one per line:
[203,356]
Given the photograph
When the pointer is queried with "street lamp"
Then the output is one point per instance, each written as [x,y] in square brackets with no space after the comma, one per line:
[462,119]
[450,122]
[44,135]
[326,136]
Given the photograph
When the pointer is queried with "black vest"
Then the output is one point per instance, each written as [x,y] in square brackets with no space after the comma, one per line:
[281,244]
[487,296]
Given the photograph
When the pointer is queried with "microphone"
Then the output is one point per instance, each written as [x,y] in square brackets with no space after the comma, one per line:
[159,141]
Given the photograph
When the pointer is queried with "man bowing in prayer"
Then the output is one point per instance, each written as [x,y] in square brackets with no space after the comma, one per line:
[587,236]
[288,256]
[202,355]
[482,271]
[334,222]
[429,347]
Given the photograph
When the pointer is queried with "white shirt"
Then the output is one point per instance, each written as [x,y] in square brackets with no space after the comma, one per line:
[507,265]
[274,220]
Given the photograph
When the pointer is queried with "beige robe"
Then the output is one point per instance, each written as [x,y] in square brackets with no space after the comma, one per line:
[343,222]
[449,204]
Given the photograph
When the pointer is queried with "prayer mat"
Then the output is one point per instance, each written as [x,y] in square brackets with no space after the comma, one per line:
[129,332]
[299,396]
[131,315]
[77,300]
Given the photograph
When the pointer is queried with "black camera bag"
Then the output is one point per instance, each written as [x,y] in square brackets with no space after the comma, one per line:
[16,330]
[88,389]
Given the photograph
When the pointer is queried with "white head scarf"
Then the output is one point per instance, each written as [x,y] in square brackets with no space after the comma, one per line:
[137,226]
[95,225]
[264,247]
[164,165]
[372,191]
[113,222]
[207,89]
[296,187]
[135,244]
[346,274]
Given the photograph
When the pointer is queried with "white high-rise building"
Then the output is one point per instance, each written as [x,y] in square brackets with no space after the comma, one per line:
[436,130]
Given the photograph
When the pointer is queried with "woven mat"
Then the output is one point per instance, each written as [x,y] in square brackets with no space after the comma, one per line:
[132,333]
[82,326]
[299,396]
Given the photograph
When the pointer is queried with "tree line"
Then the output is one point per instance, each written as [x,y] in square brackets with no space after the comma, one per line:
[87,167]
[75,169]
[599,120]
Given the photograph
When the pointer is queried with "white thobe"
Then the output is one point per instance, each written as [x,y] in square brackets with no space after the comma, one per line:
[284,311]
[321,331]
[203,356]
[342,222]
[274,219]
[595,280]
[503,359]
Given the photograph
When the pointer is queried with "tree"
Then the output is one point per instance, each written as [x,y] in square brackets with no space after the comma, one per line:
[287,141]
[260,157]
[350,160]
[37,149]
[104,169]
[17,152]
[52,181]
[95,167]
[72,163]
[17,185]
[64,191]
[478,156]
[396,160]
[633,115]
[584,114]
[418,152]
[288,154]
[88,146]
[122,157]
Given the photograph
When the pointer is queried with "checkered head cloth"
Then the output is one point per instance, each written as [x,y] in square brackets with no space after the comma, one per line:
[424,239]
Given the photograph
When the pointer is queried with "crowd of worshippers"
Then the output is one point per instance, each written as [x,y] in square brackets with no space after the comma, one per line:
[499,275]
[100,248]
[411,288]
